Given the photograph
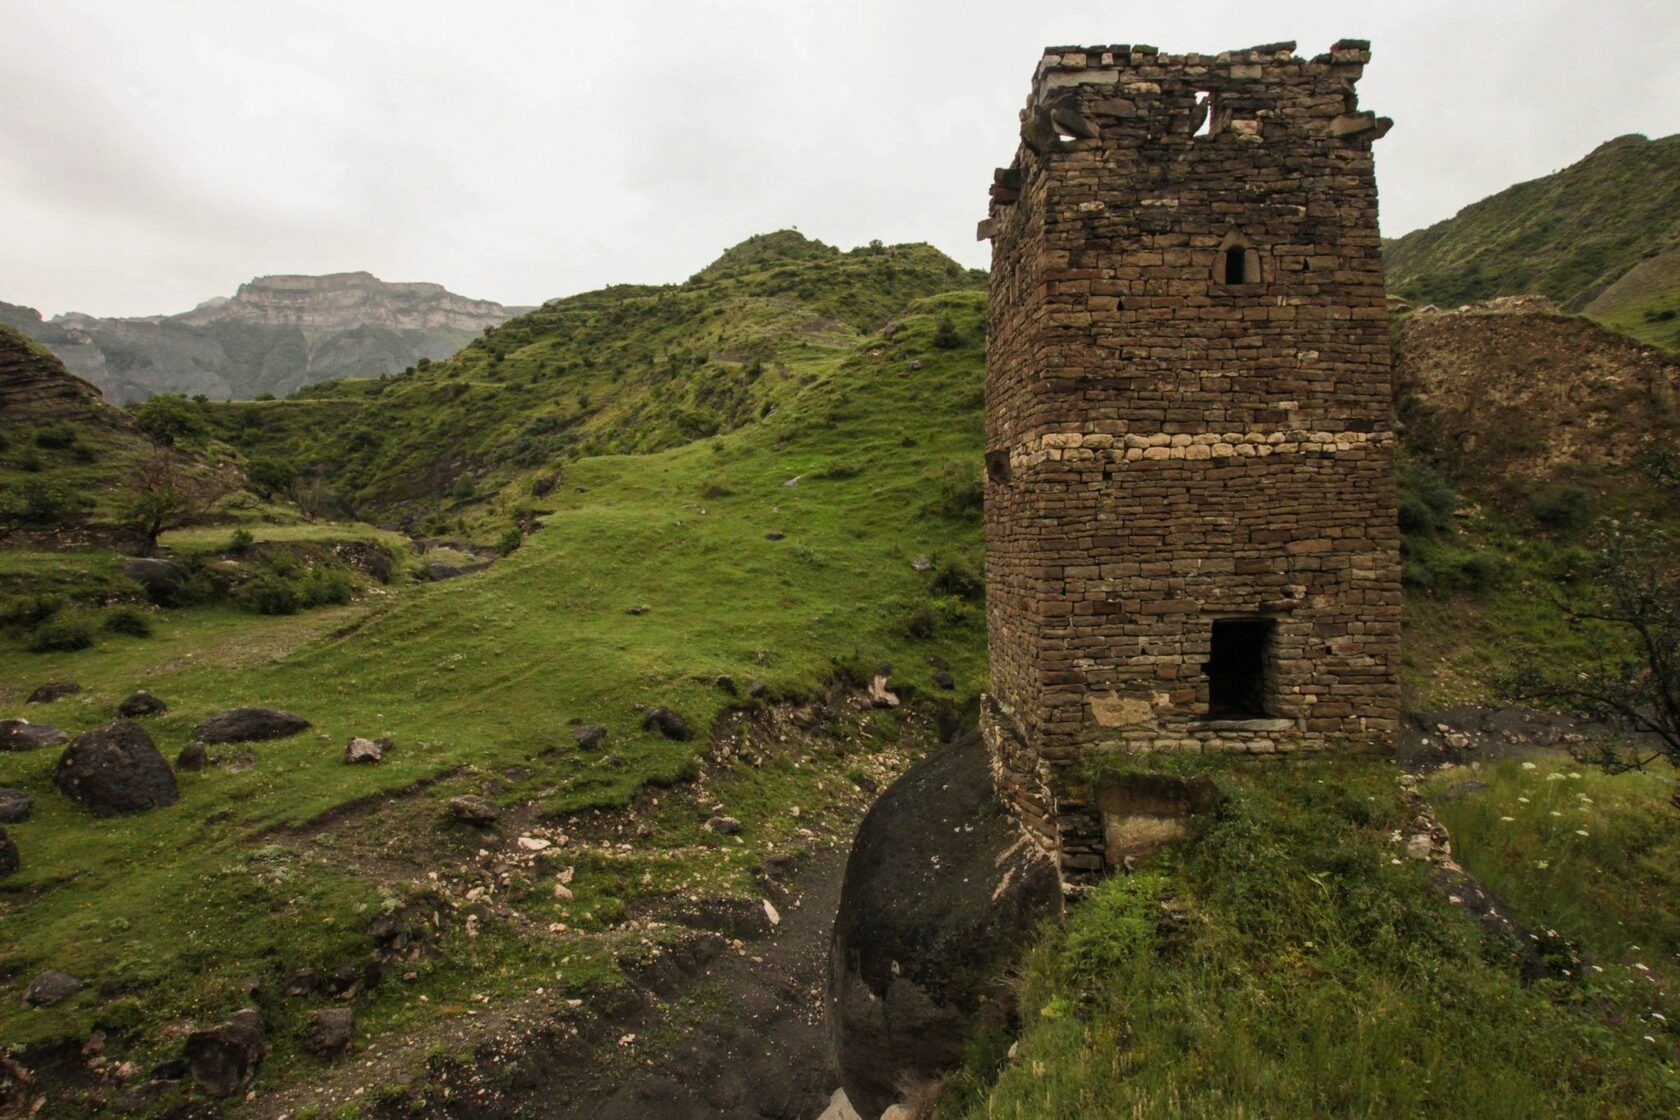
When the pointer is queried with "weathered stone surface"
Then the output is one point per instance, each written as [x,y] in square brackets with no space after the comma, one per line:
[50,987]
[223,1059]
[21,735]
[15,806]
[362,751]
[53,690]
[589,736]
[115,770]
[242,725]
[941,895]
[475,810]
[160,578]
[141,703]
[723,826]
[1191,540]
[193,756]
[331,1031]
[667,723]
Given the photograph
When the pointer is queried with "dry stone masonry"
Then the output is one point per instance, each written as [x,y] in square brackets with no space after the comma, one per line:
[1191,541]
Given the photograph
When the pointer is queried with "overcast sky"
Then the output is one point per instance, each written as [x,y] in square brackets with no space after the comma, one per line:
[154,153]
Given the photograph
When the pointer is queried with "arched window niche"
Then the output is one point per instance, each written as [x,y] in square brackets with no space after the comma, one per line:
[1237,262]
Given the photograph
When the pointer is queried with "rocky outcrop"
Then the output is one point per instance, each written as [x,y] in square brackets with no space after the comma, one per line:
[35,385]
[223,1059]
[942,894]
[246,725]
[21,735]
[275,335]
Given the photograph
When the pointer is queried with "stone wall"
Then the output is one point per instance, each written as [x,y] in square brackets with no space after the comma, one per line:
[1188,422]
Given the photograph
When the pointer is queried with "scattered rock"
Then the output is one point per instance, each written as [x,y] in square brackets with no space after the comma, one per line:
[940,898]
[142,703]
[362,751]
[223,1059]
[53,690]
[792,482]
[51,987]
[590,736]
[15,806]
[534,843]
[114,770]
[878,694]
[193,756]
[475,810]
[866,783]
[331,1031]
[639,608]
[544,486]
[10,861]
[942,679]
[302,982]
[245,725]
[922,564]
[771,914]
[724,826]
[726,684]
[937,662]
[437,571]
[160,579]
[774,535]
[242,762]
[140,1097]
[668,724]
[517,773]
[758,690]
[21,735]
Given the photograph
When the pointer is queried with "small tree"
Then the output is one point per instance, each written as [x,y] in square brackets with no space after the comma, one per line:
[162,492]
[1631,681]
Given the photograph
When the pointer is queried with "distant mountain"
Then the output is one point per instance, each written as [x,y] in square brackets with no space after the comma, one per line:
[1574,236]
[275,335]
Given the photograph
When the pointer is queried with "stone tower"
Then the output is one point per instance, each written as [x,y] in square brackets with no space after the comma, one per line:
[1191,540]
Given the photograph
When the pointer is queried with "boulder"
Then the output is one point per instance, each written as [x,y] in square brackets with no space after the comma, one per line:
[474,810]
[51,987]
[244,725]
[21,735]
[437,571]
[115,769]
[330,1031]
[15,806]
[161,579]
[223,1059]
[941,897]
[667,723]
[53,690]
[590,736]
[141,703]
[363,751]
[193,756]
[942,679]
[9,859]
[724,826]
[726,684]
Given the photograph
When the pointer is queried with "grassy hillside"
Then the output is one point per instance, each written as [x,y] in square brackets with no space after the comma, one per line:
[1568,236]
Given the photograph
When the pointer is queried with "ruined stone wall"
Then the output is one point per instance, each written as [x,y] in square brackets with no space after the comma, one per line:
[1188,420]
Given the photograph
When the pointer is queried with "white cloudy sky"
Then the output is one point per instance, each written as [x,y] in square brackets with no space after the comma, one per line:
[157,152]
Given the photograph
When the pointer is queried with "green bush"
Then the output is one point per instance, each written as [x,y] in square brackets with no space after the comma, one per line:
[269,594]
[1427,501]
[128,620]
[510,541]
[919,622]
[30,610]
[60,635]
[945,335]
[241,540]
[960,490]
[953,577]
[168,417]
[268,477]
[715,486]
[1565,509]
[326,587]
[55,437]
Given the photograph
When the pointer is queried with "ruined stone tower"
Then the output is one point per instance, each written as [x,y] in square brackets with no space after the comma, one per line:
[1191,541]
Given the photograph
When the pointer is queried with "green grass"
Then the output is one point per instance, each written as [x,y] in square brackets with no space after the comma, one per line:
[1289,963]
[206,538]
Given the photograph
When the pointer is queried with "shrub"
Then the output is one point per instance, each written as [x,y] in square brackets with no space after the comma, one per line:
[510,541]
[1562,508]
[326,587]
[30,610]
[55,437]
[241,540]
[1427,501]
[960,489]
[128,620]
[715,486]
[945,335]
[168,417]
[953,577]
[269,594]
[919,622]
[268,477]
[29,461]
[60,635]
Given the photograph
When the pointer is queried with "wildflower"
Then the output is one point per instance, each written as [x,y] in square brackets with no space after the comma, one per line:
[1554,777]
[1528,766]
[1542,864]
[1507,818]
[1575,774]
[1524,800]
[1580,832]
[1555,813]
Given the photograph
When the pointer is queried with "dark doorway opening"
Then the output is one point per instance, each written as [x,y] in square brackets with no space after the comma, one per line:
[1234,265]
[1238,668]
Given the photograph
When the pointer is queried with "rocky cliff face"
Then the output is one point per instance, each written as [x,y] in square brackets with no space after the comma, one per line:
[275,335]
[35,387]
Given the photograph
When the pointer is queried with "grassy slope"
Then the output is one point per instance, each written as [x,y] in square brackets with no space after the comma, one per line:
[1645,301]
[1568,235]
[482,673]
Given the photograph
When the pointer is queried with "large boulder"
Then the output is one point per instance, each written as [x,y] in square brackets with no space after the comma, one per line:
[223,1059]
[244,725]
[15,805]
[161,579]
[942,895]
[50,987]
[115,769]
[53,690]
[331,1031]
[21,735]
[667,723]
